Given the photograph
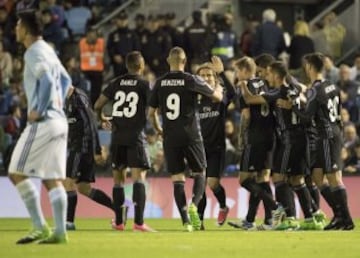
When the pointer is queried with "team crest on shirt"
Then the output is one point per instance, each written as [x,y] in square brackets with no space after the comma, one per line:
[159,39]
[144,39]
[116,37]
[128,35]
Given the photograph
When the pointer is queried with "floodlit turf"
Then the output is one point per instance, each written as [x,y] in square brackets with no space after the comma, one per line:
[94,238]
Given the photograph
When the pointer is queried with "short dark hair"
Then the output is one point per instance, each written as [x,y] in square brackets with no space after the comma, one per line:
[264,60]
[316,60]
[246,63]
[279,68]
[133,61]
[31,22]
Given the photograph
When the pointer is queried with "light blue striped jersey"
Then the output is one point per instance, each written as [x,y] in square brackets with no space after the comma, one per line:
[45,95]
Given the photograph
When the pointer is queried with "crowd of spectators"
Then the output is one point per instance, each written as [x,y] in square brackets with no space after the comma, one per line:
[69,22]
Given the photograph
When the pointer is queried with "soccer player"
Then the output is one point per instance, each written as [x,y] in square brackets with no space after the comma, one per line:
[129,94]
[83,151]
[257,132]
[323,105]
[41,149]
[212,121]
[175,95]
[290,152]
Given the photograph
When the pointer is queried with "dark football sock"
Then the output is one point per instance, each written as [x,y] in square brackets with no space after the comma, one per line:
[71,208]
[198,188]
[326,192]
[250,185]
[315,195]
[304,197]
[139,199]
[284,195]
[254,202]
[202,206]
[101,198]
[180,200]
[220,195]
[340,196]
[118,199]
[268,214]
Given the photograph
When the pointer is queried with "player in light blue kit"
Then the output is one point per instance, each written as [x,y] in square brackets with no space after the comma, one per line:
[41,149]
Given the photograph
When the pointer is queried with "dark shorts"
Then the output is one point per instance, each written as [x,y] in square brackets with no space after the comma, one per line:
[256,157]
[123,156]
[80,166]
[328,156]
[290,158]
[194,155]
[215,163]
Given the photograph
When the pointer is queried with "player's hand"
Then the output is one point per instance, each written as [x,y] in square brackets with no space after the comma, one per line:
[159,131]
[218,65]
[118,59]
[283,103]
[33,116]
[106,125]
[99,160]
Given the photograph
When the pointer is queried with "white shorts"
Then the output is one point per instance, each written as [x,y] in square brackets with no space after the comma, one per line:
[41,150]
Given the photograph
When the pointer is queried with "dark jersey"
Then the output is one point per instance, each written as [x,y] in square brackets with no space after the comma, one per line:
[286,119]
[175,94]
[212,117]
[129,94]
[83,136]
[261,117]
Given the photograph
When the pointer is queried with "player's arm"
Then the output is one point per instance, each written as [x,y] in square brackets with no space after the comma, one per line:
[154,119]
[65,81]
[244,125]
[202,87]
[249,98]
[307,105]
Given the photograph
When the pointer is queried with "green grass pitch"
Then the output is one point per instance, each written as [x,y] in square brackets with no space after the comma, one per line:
[94,238]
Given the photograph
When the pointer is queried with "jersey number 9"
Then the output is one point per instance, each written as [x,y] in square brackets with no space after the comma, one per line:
[173,106]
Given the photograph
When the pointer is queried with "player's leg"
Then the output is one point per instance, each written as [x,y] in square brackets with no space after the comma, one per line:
[201,210]
[18,175]
[263,179]
[70,188]
[119,165]
[195,156]
[174,157]
[314,192]
[215,166]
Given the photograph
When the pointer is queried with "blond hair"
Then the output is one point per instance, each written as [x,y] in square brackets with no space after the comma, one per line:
[301,28]
[246,63]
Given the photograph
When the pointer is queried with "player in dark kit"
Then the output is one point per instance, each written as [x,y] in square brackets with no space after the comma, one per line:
[129,94]
[83,151]
[323,105]
[212,121]
[290,152]
[257,132]
[175,95]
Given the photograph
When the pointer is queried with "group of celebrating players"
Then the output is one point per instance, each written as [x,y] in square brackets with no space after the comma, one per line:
[289,131]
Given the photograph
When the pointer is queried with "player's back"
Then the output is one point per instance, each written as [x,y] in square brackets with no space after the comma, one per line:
[327,116]
[40,58]
[129,94]
[177,101]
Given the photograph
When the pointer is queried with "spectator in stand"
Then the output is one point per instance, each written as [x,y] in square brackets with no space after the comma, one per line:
[225,45]
[350,137]
[196,41]
[232,155]
[57,11]
[352,163]
[268,37]
[121,42]
[331,72]
[319,38]
[6,66]
[157,47]
[78,79]
[76,18]
[7,25]
[355,70]
[51,31]
[335,33]
[247,37]
[301,44]
[349,92]
[169,27]
[345,117]
[140,29]
[13,123]
[92,50]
